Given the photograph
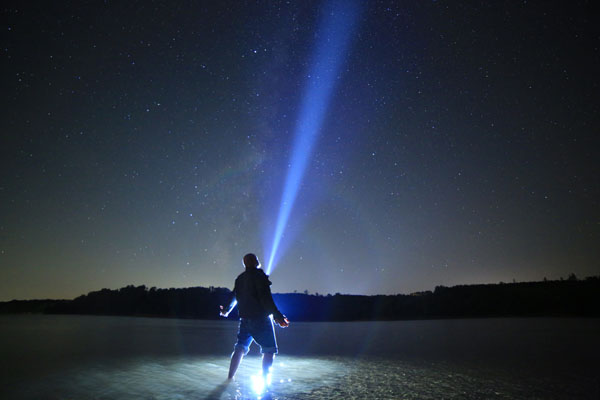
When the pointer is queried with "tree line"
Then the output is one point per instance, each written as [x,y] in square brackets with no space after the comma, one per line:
[570,297]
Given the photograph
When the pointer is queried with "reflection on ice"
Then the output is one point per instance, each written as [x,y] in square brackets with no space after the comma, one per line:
[194,378]
[77,357]
[294,378]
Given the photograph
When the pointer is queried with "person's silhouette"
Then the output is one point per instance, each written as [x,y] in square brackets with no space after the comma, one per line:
[252,295]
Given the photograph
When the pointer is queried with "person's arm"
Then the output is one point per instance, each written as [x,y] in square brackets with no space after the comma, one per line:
[266,299]
[224,312]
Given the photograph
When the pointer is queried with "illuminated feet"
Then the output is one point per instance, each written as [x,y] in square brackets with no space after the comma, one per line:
[260,384]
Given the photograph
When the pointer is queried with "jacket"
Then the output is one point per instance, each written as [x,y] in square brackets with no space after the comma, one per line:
[253,294]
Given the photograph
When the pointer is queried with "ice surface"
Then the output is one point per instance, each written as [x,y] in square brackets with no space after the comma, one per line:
[74,357]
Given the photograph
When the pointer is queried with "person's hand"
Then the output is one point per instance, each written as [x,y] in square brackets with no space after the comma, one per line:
[223,313]
[282,322]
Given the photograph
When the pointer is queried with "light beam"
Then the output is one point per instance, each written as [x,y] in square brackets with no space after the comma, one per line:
[333,39]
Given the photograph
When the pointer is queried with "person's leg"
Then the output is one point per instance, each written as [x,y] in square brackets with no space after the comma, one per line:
[267,362]
[265,337]
[236,359]
[244,339]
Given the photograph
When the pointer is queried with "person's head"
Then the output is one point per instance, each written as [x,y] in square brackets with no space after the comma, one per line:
[251,261]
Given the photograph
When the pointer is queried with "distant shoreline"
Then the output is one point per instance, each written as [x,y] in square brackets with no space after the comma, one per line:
[564,298]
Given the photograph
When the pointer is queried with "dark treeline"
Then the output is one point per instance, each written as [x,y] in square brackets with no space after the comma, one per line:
[553,298]
[195,302]
[549,298]
[28,306]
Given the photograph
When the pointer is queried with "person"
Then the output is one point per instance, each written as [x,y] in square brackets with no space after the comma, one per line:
[252,295]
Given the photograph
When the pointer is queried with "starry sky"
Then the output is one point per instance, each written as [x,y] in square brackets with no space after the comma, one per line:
[147,142]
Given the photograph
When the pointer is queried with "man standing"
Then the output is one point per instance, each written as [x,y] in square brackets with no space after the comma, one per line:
[255,304]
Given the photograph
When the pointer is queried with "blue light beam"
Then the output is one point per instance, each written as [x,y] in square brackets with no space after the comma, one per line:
[333,40]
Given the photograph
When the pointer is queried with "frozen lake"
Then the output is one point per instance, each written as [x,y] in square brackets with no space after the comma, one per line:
[91,357]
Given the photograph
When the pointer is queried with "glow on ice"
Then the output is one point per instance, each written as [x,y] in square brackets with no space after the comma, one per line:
[259,383]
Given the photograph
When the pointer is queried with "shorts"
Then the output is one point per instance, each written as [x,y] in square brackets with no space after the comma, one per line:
[259,329]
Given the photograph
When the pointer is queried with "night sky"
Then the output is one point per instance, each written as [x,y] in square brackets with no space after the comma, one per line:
[147,142]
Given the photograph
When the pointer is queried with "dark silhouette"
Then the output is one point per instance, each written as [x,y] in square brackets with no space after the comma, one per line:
[29,306]
[547,298]
[252,295]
